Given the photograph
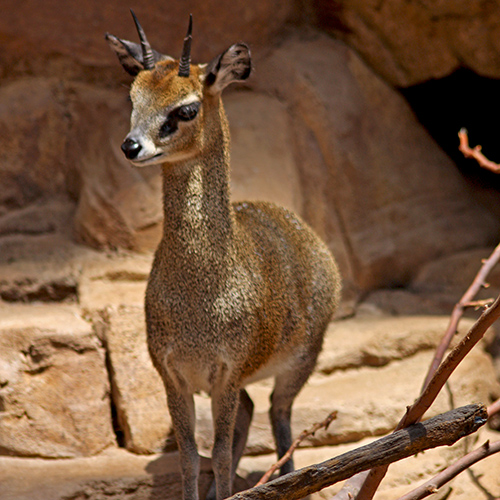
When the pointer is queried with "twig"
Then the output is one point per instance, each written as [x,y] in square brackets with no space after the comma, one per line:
[475,152]
[303,435]
[432,485]
[458,311]
[493,408]
[445,429]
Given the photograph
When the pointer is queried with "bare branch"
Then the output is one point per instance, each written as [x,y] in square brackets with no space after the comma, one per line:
[458,311]
[449,473]
[493,408]
[475,153]
[303,435]
[445,429]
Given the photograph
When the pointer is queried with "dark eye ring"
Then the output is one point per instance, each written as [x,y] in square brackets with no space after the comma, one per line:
[188,111]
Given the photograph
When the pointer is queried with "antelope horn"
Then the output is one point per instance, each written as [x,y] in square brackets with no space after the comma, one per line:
[148,59]
[186,51]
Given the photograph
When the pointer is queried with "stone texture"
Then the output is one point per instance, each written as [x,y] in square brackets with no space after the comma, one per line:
[32,117]
[118,206]
[262,162]
[394,179]
[410,42]
[138,392]
[76,31]
[376,341]
[114,281]
[115,474]
[54,388]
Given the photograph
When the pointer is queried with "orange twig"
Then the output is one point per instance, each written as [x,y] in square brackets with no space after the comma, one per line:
[475,152]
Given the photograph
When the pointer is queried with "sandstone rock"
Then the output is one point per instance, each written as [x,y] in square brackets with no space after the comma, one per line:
[408,43]
[452,275]
[54,389]
[114,280]
[368,341]
[115,474]
[138,392]
[262,162]
[34,32]
[380,193]
[33,168]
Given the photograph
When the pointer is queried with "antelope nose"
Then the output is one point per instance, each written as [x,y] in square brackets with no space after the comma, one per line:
[131,148]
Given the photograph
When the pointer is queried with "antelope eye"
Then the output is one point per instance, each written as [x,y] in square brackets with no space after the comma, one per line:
[188,111]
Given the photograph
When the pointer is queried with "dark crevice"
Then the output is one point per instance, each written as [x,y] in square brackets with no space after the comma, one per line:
[117,428]
[463,99]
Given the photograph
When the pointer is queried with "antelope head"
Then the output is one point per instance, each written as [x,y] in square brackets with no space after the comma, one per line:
[174,102]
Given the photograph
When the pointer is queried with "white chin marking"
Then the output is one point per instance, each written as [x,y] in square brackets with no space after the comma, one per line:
[152,160]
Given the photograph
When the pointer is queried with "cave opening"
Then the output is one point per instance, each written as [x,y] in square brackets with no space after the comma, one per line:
[463,99]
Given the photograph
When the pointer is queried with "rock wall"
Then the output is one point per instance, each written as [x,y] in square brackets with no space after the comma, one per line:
[411,42]
[315,129]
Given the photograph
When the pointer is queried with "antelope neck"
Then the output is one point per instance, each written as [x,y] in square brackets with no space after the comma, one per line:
[198,217]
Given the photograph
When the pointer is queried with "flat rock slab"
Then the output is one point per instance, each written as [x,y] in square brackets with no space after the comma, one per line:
[54,387]
[376,341]
[115,474]
[138,391]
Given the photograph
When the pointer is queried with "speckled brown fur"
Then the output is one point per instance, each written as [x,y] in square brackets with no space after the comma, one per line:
[237,292]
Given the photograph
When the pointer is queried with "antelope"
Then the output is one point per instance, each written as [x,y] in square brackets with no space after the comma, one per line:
[237,292]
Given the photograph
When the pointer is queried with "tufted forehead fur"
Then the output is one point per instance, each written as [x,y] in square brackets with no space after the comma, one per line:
[165,87]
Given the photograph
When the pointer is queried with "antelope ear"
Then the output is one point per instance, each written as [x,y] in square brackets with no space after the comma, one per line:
[130,54]
[233,65]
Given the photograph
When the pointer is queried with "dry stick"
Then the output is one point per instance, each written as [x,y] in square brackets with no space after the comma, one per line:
[444,429]
[304,434]
[432,486]
[493,408]
[458,311]
[429,394]
[475,153]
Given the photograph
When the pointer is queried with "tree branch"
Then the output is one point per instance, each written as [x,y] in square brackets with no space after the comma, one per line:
[444,429]
[475,153]
[458,311]
[431,486]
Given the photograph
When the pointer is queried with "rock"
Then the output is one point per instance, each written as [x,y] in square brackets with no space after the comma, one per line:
[408,43]
[114,474]
[453,274]
[360,172]
[33,168]
[262,162]
[368,341]
[78,34]
[138,392]
[54,388]
[114,280]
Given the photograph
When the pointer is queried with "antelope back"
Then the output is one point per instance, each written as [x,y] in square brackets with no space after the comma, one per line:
[175,103]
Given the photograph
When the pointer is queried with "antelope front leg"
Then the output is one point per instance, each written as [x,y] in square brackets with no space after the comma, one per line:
[224,411]
[181,407]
